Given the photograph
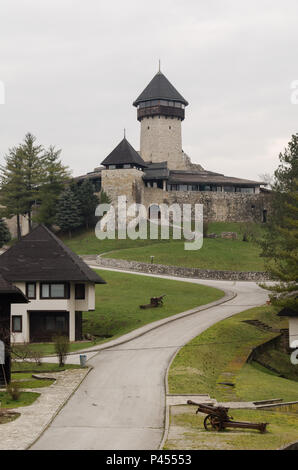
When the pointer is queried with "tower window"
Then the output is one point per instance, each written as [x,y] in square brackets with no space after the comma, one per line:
[170,127]
[148,127]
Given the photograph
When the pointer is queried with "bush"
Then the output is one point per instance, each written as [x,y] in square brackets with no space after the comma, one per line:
[205,228]
[13,391]
[61,348]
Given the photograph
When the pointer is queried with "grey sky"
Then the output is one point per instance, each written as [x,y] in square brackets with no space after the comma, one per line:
[73,68]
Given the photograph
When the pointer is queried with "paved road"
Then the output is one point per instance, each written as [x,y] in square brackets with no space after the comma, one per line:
[121,403]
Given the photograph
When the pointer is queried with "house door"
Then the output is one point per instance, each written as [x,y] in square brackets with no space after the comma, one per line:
[44,326]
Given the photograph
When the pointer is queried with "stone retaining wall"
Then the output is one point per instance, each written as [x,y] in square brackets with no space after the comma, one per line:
[181,271]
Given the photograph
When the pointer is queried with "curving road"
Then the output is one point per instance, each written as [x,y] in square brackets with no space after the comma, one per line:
[121,403]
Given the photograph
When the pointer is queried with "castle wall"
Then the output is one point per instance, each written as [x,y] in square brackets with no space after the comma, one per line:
[161,141]
[123,182]
[218,207]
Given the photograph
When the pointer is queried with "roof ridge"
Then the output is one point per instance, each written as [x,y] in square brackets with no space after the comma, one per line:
[46,258]
[74,257]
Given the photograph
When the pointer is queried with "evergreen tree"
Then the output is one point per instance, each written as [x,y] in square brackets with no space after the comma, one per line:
[4,233]
[280,246]
[13,191]
[55,176]
[33,163]
[88,200]
[69,214]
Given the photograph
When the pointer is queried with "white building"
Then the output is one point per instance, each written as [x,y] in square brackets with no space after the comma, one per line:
[58,284]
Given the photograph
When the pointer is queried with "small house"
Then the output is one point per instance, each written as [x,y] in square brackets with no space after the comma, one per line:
[57,283]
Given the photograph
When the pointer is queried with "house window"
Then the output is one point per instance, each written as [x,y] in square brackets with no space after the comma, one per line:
[80,291]
[54,290]
[31,290]
[16,326]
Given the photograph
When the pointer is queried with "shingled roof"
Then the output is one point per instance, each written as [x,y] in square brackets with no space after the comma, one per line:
[160,89]
[41,256]
[11,292]
[124,154]
[208,177]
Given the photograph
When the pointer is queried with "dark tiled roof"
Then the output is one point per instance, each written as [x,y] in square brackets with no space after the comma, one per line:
[160,89]
[11,292]
[123,154]
[287,312]
[182,177]
[41,256]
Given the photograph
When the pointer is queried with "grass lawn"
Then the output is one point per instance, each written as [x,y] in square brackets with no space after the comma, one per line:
[117,305]
[216,253]
[25,380]
[187,431]
[22,376]
[23,367]
[26,398]
[219,355]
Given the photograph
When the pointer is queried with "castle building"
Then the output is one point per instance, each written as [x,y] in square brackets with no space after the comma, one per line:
[162,173]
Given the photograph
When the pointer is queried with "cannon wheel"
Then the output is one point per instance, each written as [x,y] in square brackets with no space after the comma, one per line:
[213,422]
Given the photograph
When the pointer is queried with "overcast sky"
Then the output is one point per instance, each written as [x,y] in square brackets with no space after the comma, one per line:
[72,69]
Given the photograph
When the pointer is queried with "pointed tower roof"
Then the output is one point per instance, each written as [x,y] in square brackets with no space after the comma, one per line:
[41,256]
[160,89]
[124,154]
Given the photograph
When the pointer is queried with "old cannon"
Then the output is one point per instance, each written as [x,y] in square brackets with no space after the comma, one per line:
[154,302]
[217,419]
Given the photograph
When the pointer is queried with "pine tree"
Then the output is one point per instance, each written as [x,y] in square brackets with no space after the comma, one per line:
[55,176]
[88,200]
[33,162]
[280,246]
[69,214]
[13,191]
[4,233]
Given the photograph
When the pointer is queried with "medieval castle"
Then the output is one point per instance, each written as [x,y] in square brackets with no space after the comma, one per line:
[162,173]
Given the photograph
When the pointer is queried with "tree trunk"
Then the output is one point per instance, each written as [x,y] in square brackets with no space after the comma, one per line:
[19,233]
[30,221]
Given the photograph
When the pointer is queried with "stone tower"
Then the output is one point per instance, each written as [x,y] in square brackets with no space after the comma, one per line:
[123,173]
[161,110]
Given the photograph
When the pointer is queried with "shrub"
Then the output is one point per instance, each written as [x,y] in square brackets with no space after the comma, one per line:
[13,391]
[61,348]
[205,228]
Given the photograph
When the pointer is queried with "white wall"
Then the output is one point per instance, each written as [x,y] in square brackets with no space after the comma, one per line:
[70,305]
[293,329]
